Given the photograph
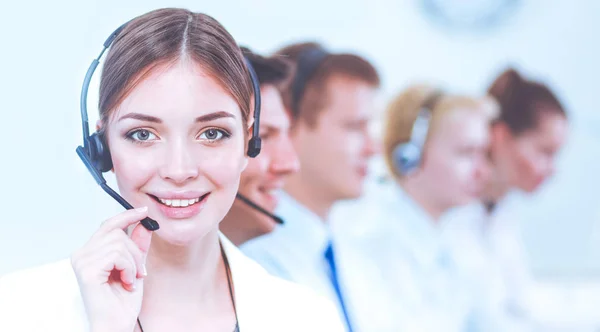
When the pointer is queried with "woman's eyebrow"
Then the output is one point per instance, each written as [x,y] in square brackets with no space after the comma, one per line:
[203,118]
[141,117]
[214,116]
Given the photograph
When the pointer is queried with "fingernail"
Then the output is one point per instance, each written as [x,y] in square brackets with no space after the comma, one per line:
[142,209]
[144,271]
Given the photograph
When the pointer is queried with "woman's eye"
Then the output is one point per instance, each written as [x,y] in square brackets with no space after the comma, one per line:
[141,135]
[213,134]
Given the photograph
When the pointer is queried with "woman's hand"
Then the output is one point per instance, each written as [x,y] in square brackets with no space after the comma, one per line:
[110,270]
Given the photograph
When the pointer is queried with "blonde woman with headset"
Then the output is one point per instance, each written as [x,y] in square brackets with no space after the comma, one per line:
[435,147]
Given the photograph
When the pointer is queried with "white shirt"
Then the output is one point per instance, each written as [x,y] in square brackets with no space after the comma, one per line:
[495,257]
[412,266]
[489,249]
[419,271]
[295,251]
[47,298]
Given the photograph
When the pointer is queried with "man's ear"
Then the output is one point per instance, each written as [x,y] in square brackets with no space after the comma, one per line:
[500,133]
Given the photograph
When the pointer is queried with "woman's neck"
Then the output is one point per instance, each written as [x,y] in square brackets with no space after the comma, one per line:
[187,287]
[496,187]
[184,271]
[425,202]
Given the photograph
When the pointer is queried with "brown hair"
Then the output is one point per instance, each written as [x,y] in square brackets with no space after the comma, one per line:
[271,70]
[165,36]
[403,110]
[522,102]
[314,97]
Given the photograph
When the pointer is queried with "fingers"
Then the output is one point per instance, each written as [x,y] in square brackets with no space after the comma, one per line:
[122,266]
[123,220]
[111,255]
[139,257]
[111,258]
[141,239]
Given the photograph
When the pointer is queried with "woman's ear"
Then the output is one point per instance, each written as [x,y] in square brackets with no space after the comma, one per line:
[249,129]
[250,126]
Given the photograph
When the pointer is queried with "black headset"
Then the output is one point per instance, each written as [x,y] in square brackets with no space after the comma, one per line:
[95,154]
[306,66]
[408,156]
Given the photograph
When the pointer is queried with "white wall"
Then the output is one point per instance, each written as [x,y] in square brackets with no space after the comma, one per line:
[51,205]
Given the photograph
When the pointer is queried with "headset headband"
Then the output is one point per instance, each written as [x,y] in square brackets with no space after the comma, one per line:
[421,125]
[254,145]
[306,66]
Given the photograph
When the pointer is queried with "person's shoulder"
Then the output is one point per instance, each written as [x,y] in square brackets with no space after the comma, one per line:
[268,250]
[267,245]
[59,268]
[369,215]
[291,306]
[56,277]
[276,304]
[465,218]
[45,297]
[303,308]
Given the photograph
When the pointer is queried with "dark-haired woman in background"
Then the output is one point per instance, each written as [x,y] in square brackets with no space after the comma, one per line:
[530,130]
[525,141]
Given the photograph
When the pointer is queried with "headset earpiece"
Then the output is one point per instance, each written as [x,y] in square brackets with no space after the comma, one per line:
[254,145]
[407,157]
[99,153]
[94,153]
[96,149]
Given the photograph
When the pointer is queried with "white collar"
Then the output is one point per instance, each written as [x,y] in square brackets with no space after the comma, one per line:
[312,233]
[421,235]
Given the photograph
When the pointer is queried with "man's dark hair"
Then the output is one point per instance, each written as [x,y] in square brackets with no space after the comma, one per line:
[273,70]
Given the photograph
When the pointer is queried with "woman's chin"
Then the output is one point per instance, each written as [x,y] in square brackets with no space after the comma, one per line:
[182,232]
[465,198]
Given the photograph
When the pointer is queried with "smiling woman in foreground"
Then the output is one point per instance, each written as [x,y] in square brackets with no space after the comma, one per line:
[175,113]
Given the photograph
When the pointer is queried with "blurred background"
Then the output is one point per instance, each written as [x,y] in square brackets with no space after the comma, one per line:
[51,205]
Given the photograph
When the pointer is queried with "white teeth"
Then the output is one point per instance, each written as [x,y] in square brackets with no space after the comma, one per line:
[272,192]
[179,202]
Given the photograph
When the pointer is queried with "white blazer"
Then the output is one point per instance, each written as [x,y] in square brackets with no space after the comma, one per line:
[47,298]
[490,253]
[496,250]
